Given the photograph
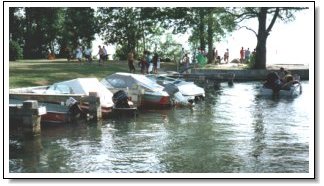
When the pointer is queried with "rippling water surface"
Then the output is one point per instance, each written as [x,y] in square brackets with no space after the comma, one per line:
[232,131]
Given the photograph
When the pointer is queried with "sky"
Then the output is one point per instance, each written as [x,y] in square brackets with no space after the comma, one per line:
[288,43]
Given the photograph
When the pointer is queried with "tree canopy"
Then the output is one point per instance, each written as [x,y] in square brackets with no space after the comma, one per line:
[263,15]
[37,29]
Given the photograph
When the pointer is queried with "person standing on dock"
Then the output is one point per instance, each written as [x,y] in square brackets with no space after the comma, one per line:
[215,56]
[185,62]
[242,55]
[226,56]
[247,55]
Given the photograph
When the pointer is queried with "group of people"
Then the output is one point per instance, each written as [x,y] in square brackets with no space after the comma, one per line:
[217,58]
[103,55]
[147,63]
[245,55]
[87,52]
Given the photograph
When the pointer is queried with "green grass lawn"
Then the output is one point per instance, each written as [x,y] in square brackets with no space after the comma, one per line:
[45,72]
[26,73]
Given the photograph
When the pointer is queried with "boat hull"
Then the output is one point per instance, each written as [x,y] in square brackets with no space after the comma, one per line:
[155,101]
[294,91]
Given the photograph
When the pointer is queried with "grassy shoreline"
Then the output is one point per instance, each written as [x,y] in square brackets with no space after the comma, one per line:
[26,73]
[37,73]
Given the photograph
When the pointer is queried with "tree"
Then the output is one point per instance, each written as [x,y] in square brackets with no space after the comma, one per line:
[15,33]
[218,24]
[129,28]
[79,26]
[40,31]
[206,24]
[16,26]
[261,13]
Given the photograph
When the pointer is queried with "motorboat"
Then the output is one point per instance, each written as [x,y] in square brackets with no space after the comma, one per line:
[293,90]
[69,99]
[274,86]
[153,95]
[188,89]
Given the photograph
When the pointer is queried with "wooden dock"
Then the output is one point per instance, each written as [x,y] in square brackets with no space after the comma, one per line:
[26,117]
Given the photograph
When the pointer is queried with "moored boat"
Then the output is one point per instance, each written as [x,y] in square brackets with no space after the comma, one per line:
[153,95]
[188,89]
[81,97]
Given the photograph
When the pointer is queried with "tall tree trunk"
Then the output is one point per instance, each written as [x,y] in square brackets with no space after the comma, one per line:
[210,37]
[202,30]
[263,33]
[261,51]
[143,35]
[28,34]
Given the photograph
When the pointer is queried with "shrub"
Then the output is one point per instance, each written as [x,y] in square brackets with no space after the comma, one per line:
[15,51]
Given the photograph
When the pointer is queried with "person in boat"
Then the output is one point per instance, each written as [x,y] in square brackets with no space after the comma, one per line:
[289,80]
[282,73]
[273,82]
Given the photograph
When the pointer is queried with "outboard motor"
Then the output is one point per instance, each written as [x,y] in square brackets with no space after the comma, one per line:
[120,99]
[74,109]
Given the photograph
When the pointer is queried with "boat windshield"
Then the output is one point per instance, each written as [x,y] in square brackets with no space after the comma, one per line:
[121,81]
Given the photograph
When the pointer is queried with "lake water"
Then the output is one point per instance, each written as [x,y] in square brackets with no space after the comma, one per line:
[232,131]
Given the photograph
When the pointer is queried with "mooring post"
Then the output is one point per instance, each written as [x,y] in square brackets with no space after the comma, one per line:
[30,114]
[94,105]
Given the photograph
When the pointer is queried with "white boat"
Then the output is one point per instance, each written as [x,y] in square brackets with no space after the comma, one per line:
[293,90]
[83,86]
[153,96]
[188,89]
[60,97]
[289,86]
[86,86]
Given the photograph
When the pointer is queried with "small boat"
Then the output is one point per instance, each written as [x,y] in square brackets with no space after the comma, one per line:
[290,91]
[70,99]
[153,95]
[188,89]
[276,87]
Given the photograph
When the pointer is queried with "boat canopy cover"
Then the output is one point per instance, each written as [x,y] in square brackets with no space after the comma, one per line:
[186,88]
[82,86]
[124,80]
